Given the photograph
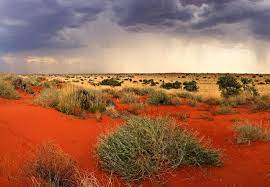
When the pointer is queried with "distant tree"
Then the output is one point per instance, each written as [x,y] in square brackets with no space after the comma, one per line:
[229,86]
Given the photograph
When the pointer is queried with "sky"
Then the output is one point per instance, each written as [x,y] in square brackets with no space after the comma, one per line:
[134,36]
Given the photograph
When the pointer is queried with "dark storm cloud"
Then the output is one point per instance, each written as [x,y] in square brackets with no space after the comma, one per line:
[200,16]
[32,24]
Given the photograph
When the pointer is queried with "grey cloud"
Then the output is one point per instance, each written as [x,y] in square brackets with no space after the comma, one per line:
[199,16]
[31,24]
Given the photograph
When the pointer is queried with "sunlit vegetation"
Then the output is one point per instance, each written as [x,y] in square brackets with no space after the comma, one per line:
[145,148]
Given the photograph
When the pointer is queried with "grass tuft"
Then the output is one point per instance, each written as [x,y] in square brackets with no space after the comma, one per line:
[146,147]
[247,132]
[54,166]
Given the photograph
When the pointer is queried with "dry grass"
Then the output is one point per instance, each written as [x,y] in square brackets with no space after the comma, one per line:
[54,166]
[7,91]
[247,132]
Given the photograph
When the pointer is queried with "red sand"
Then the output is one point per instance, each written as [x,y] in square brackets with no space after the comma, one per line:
[23,125]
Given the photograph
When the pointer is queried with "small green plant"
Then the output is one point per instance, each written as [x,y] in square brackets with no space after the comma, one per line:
[247,132]
[145,147]
[111,82]
[7,91]
[229,86]
[191,86]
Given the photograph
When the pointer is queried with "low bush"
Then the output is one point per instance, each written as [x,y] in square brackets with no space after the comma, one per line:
[188,95]
[159,98]
[7,91]
[49,97]
[260,104]
[171,85]
[249,86]
[129,97]
[111,82]
[23,84]
[53,166]
[224,109]
[146,147]
[212,101]
[138,91]
[246,132]
[75,101]
[191,86]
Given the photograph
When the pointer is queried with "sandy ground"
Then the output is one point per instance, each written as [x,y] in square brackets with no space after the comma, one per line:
[23,125]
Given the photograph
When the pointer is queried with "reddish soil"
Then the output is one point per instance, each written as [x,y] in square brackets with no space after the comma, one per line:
[24,125]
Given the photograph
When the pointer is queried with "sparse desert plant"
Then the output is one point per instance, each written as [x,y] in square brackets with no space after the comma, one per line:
[159,98]
[182,116]
[146,147]
[7,91]
[224,109]
[111,82]
[171,85]
[52,165]
[247,132]
[249,86]
[135,108]
[188,95]
[212,100]
[21,83]
[191,86]
[260,104]
[229,86]
[128,97]
[192,102]
[74,100]
[138,91]
[49,97]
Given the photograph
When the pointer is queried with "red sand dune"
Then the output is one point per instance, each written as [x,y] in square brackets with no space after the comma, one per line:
[23,125]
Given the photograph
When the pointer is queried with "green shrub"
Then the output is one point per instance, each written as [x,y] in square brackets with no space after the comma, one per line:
[247,132]
[145,147]
[171,85]
[111,82]
[229,86]
[191,86]
[159,98]
[7,91]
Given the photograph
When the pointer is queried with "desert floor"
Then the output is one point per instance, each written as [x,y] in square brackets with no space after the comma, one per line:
[24,125]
